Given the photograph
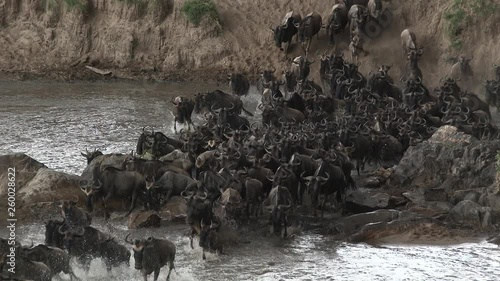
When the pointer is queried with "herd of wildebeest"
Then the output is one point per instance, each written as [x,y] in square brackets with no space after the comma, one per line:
[309,140]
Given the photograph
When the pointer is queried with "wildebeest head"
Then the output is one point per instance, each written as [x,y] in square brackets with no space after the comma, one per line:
[52,235]
[199,102]
[138,246]
[70,235]
[464,65]
[314,184]
[68,206]
[268,76]
[91,155]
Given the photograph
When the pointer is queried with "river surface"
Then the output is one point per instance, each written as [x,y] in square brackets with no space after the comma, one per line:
[53,122]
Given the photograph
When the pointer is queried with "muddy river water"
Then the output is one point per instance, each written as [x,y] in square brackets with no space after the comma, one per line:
[53,122]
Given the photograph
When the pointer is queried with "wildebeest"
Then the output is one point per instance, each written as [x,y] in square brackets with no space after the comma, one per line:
[170,184]
[74,217]
[284,32]
[357,15]
[84,245]
[281,200]
[308,27]
[91,155]
[183,109]
[337,21]
[461,70]
[374,8]
[239,84]
[113,253]
[301,67]
[25,269]
[493,93]
[220,99]
[356,45]
[115,184]
[327,179]
[152,254]
[408,41]
[52,235]
[55,258]
[198,208]
[210,239]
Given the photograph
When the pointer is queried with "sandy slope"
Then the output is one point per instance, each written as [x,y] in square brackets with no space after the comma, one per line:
[159,42]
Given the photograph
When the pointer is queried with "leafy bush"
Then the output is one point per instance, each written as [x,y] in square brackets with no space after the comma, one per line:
[76,4]
[460,13]
[195,10]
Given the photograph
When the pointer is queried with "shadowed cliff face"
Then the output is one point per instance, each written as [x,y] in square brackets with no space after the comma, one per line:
[155,39]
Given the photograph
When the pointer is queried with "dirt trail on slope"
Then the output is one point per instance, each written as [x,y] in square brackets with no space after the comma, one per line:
[157,42]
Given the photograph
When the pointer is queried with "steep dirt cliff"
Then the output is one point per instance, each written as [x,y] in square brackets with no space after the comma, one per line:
[48,38]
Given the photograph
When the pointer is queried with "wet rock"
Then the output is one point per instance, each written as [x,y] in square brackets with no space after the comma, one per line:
[144,219]
[450,159]
[175,209]
[377,178]
[435,194]
[401,227]
[362,201]
[430,209]
[469,213]
[25,169]
[350,224]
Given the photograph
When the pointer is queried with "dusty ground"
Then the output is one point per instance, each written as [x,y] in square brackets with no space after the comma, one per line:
[158,43]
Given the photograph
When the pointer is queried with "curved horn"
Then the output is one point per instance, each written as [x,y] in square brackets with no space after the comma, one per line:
[128,241]
[60,231]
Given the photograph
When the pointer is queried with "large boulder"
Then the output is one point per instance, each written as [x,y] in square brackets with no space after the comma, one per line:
[24,166]
[39,189]
[450,159]
[470,213]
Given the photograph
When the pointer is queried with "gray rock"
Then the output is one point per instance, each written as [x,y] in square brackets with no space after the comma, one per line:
[25,169]
[435,194]
[353,223]
[493,201]
[469,213]
[450,159]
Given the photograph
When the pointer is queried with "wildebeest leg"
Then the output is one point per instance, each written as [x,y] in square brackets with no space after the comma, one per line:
[170,267]
[175,125]
[285,223]
[132,203]
[323,205]
[169,194]
[358,165]
[203,256]
[193,232]
[145,276]
[104,200]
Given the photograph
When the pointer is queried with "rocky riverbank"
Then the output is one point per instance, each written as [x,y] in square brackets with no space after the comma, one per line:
[155,41]
[444,189]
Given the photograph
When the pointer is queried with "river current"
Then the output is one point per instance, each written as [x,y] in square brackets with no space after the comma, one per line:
[53,122]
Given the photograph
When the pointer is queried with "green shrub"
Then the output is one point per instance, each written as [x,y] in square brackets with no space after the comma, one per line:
[460,13]
[195,10]
[76,4]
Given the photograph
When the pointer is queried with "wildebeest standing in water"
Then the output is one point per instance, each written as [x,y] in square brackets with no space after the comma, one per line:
[284,32]
[239,84]
[152,254]
[183,109]
[210,239]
